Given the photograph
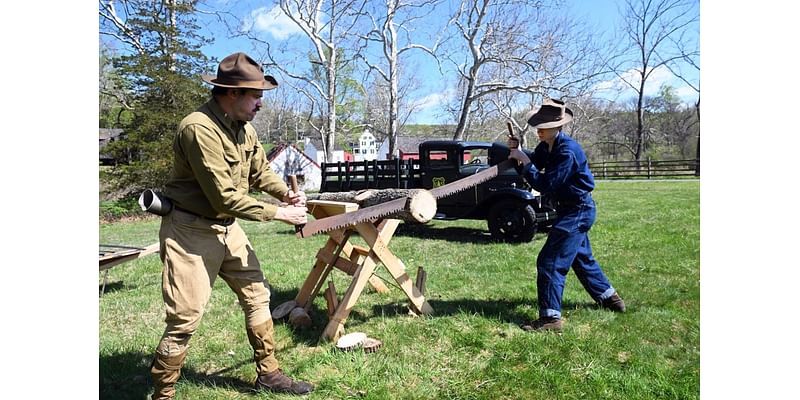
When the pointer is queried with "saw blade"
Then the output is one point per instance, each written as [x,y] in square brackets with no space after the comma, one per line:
[474,180]
[328,224]
[375,212]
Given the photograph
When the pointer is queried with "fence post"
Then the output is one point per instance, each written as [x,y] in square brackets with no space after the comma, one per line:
[366,174]
[375,172]
[648,167]
[347,174]
[323,176]
[397,171]
[409,172]
[604,169]
[339,175]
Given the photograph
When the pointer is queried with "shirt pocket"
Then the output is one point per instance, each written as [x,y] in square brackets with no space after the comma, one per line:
[234,166]
[247,162]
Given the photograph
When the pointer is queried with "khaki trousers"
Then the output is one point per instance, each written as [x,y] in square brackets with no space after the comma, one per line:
[195,251]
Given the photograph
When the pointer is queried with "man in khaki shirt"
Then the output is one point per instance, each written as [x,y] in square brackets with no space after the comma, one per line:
[218,160]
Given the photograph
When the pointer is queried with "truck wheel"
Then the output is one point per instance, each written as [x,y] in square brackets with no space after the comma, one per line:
[512,221]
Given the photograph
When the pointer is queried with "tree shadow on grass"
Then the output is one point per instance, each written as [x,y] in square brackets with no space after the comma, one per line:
[127,376]
[319,318]
[449,233]
[514,311]
[457,234]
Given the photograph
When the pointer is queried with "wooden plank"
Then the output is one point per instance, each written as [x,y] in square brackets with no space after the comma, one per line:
[107,262]
[319,272]
[326,208]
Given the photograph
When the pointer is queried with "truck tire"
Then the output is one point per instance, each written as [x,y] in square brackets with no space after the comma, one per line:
[512,221]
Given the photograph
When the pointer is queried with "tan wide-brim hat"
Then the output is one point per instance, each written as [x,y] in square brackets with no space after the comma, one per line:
[238,70]
[552,114]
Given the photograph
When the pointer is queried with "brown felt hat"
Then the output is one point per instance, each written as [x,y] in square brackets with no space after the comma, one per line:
[553,113]
[238,70]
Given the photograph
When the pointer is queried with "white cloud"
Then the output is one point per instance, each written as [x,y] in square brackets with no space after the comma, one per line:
[686,92]
[617,88]
[427,109]
[272,21]
[432,100]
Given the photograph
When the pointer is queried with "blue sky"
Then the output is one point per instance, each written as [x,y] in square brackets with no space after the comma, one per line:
[433,90]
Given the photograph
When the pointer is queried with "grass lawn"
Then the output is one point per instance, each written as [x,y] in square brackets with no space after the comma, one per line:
[647,238]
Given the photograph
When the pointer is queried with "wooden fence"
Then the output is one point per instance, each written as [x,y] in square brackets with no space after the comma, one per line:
[646,169]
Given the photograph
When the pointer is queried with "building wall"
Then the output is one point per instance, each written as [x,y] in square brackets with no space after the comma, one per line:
[291,161]
[367,148]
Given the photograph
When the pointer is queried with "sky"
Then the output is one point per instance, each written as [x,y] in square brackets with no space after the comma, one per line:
[434,91]
[749,273]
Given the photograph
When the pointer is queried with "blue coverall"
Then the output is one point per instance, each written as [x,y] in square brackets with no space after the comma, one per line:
[563,174]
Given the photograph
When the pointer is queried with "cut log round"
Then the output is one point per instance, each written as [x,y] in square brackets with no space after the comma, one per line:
[420,208]
[371,345]
[299,318]
[284,309]
[351,341]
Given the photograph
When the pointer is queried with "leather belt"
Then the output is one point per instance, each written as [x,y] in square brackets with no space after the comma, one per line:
[571,203]
[224,221]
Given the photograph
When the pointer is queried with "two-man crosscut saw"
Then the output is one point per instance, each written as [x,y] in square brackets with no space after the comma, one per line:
[393,207]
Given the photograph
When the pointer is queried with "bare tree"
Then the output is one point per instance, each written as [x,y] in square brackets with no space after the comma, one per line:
[386,19]
[325,23]
[516,46]
[651,28]
[690,59]
[377,94]
[114,23]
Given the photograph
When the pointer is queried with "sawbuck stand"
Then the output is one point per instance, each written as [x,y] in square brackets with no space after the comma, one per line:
[357,261]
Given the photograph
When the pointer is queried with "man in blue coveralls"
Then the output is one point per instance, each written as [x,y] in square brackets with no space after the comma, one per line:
[559,169]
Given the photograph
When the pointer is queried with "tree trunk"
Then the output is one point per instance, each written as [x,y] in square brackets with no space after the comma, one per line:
[697,167]
[640,120]
[420,208]
[393,83]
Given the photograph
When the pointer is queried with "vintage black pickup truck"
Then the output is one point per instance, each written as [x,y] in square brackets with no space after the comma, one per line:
[514,212]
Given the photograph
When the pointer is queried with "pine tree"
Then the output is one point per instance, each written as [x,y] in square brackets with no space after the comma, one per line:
[161,73]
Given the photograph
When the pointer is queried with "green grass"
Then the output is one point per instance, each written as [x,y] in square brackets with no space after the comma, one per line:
[647,238]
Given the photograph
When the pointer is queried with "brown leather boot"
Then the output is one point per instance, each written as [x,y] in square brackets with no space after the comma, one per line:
[165,371]
[613,303]
[543,324]
[277,382]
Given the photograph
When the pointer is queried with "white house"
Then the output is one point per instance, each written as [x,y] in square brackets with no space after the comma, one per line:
[319,156]
[287,159]
[367,148]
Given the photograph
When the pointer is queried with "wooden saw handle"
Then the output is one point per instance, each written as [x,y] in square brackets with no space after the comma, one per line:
[511,133]
[293,182]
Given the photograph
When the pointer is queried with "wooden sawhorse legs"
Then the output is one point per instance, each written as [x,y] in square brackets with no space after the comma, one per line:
[360,263]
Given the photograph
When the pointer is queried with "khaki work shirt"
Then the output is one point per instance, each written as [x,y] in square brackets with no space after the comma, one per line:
[217,162]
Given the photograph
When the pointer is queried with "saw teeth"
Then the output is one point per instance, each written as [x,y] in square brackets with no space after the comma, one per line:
[399,204]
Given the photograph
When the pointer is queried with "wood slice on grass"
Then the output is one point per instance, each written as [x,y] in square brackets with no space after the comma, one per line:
[284,309]
[371,345]
[299,318]
[420,208]
[351,341]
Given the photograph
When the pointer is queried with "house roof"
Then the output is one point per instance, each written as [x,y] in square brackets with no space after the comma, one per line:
[410,144]
[277,150]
